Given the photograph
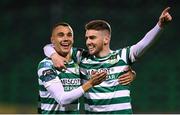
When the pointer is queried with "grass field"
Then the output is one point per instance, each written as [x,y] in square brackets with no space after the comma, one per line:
[17,109]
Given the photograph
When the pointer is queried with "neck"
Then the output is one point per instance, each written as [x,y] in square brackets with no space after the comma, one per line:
[104,52]
[67,56]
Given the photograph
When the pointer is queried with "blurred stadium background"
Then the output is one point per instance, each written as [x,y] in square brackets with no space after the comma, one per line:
[26,27]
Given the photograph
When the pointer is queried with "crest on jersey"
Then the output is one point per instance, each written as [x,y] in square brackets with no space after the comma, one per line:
[48,75]
[113,59]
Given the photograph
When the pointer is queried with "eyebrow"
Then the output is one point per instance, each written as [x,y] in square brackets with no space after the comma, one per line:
[91,36]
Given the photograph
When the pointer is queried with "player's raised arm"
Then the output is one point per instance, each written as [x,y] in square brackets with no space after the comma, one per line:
[138,49]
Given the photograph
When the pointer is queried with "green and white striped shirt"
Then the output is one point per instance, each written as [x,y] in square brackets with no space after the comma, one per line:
[109,96]
[70,79]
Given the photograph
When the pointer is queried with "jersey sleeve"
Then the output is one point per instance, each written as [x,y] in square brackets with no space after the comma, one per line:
[49,50]
[76,54]
[46,73]
[50,80]
[138,49]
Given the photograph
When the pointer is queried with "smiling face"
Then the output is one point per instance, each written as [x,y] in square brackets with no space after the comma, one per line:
[98,34]
[95,41]
[62,38]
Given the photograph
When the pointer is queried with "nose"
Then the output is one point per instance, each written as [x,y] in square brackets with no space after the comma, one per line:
[88,41]
[65,38]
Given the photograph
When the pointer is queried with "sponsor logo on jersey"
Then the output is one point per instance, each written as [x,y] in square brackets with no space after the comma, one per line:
[76,81]
[107,70]
[48,75]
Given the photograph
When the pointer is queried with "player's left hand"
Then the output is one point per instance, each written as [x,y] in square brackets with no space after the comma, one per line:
[165,17]
[127,78]
[98,77]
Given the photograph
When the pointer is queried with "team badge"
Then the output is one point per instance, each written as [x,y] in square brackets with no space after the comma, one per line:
[113,59]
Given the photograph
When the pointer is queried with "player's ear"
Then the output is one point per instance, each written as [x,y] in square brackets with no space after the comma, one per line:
[52,40]
[106,37]
[106,40]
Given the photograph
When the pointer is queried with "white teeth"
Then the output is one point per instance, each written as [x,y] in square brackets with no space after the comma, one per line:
[64,44]
[90,47]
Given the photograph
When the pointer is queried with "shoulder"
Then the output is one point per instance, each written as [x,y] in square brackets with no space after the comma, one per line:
[124,51]
[85,54]
[45,67]
[79,53]
[76,51]
[124,54]
[45,63]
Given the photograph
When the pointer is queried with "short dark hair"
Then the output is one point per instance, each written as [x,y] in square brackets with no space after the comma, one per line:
[60,24]
[98,25]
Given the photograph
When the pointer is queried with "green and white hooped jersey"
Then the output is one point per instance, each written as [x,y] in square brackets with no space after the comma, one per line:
[70,79]
[109,96]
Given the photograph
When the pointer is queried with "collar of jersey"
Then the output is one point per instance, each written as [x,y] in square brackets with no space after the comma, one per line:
[72,61]
[104,57]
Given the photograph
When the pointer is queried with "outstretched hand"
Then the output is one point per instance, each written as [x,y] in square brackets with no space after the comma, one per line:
[165,17]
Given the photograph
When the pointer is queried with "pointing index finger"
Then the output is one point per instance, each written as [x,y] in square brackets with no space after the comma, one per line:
[166,10]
